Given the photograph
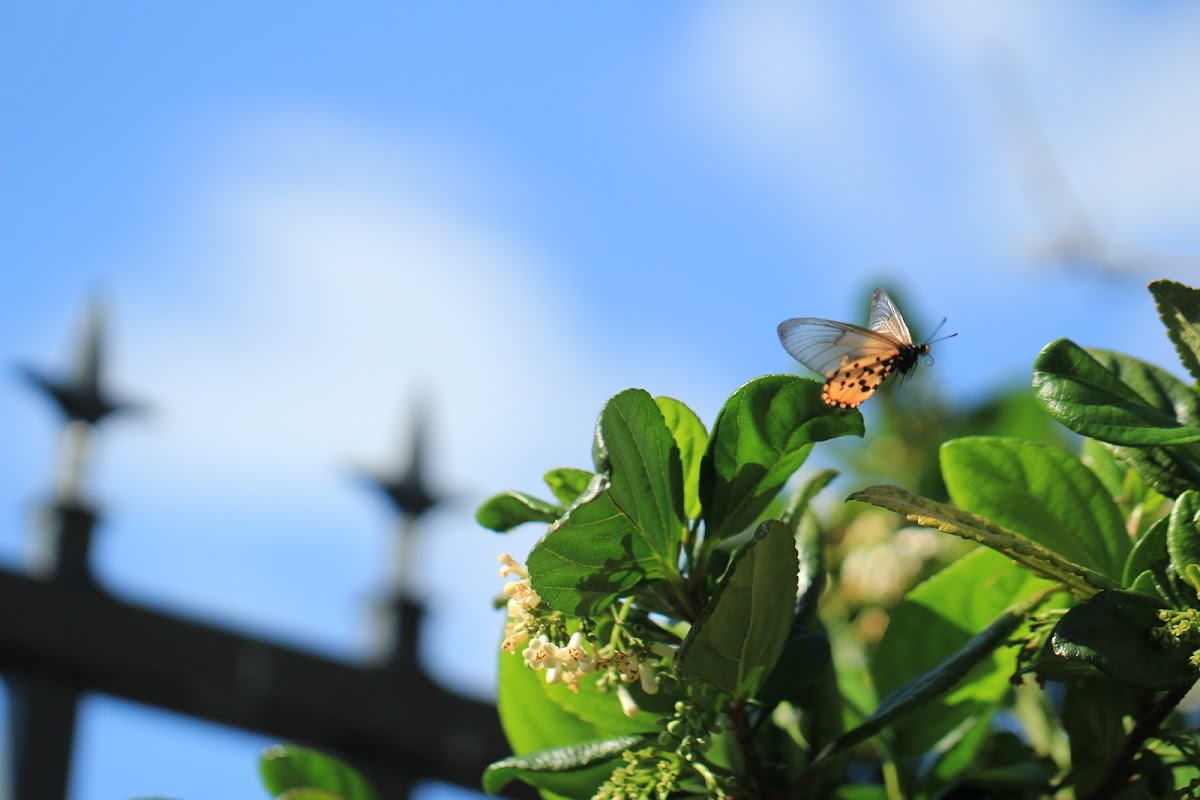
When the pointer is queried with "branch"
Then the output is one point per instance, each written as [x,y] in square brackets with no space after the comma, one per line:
[1119,773]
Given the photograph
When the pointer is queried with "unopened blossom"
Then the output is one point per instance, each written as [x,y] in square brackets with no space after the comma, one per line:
[648,679]
[510,566]
[628,705]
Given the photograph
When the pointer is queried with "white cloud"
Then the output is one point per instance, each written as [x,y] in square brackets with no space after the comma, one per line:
[771,78]
[865,108]
[325,287]
[318,277]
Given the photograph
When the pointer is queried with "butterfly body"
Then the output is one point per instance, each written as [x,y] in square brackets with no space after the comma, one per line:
[854,361]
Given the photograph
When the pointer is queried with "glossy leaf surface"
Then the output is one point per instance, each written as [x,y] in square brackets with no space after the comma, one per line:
[761,437]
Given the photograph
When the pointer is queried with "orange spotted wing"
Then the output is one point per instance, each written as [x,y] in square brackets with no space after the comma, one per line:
[855,361]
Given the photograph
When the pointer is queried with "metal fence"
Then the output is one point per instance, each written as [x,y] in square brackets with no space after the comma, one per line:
[63,636]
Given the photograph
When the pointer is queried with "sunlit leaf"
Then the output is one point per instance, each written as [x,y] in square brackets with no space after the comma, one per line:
[761,437]
[289,767]
[1038,560]
[1040,492]
[507,510]
[692,439]
[1085,396]
[571,770]
[1179,307]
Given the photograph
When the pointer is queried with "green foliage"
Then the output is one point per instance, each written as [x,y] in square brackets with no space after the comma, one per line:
[680,630]
[738,636]
[290,772]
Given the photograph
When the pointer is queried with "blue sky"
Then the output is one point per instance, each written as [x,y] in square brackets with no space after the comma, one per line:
[303,216]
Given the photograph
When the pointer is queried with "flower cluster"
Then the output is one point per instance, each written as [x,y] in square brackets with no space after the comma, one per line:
[1181,627]
[646,775]
[562,664]
[522,603]
[539,632]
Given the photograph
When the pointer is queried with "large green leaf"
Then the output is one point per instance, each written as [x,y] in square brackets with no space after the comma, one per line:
[571,771]
[939,619]
[921,689]
[1099,458]
[587,703]
[288,767]
[1183,537]
[1093,717]
[538,716]
[692,439]
[1085,396]
[590,556]
[1170,470]
[1179,307]
[1041,492]
[761,437]
[740,633]
[1111,632]
[644,469]
[1038,560]
[507,510]
[619,535]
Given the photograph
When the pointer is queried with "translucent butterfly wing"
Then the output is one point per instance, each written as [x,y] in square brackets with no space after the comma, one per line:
[886,319]
[824,346]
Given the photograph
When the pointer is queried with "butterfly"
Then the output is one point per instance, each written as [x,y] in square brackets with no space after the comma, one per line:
[855,361]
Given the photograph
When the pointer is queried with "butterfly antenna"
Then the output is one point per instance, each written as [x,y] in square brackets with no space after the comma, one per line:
[932,340]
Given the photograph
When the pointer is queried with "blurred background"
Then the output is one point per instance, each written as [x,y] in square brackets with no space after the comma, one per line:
[307,219]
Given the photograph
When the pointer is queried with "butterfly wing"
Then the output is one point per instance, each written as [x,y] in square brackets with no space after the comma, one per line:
[886,319]
[825,346]
[855,381]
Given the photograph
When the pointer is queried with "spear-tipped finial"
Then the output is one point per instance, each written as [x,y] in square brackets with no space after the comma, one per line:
[81,397]
[83,402]
[407,489]
[409,496]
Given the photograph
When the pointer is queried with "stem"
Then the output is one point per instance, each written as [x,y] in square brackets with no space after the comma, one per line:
[1122,768]
[745,736]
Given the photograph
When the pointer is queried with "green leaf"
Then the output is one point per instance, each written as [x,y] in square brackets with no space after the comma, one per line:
[1148,554]
[1041,492]
[1159,389]
[309,794]
[1183,536]
[1031,556]
[1179,308]
[286,767]
[1145,583]
[761,437]
[927,686]
[507,510]
[568,483]
[1078,391]
[624,533]
[1099,458]
[591,556]
[1093,718]
[740,633]
[1111,632]
[531,720]
[569,770]
[644,469]
[692,439]
[798,505]
[1170,470]
[523,688]
[538,716]
[939,619]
